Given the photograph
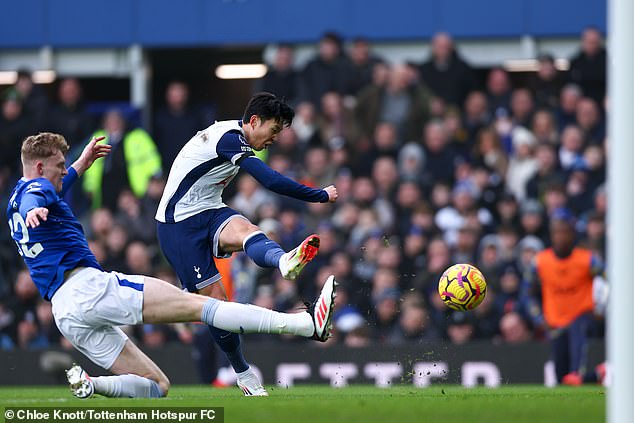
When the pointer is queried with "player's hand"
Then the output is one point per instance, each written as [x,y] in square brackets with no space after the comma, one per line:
[332,193]
[91,152]
[34,216]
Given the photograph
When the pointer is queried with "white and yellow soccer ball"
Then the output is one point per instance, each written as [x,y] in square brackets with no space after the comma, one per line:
[462,287]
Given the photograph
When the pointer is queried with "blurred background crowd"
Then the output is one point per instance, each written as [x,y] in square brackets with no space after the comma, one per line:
[435,163]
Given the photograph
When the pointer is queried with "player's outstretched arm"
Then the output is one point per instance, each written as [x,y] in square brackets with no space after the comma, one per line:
[280,184]
[91,152]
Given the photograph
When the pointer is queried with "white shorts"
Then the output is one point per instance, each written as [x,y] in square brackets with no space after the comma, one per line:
[90,305]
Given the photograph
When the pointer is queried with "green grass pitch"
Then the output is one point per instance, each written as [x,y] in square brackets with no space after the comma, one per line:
[307,404]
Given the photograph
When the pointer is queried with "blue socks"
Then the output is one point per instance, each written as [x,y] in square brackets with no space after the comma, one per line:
[263,251]
[229,343]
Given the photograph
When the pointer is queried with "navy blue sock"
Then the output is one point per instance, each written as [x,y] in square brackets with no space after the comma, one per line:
[229,343]
[263,251]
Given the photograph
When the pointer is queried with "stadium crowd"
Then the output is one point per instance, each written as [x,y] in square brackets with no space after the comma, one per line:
[433,167]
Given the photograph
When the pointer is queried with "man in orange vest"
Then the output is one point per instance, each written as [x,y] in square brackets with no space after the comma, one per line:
[558,294]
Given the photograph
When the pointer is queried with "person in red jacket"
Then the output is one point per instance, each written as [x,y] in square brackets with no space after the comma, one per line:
[558,294]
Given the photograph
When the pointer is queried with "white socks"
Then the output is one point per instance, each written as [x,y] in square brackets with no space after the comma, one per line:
[247,318]
[126,386]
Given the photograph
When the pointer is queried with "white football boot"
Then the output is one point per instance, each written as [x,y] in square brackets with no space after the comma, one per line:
[322,310]
[80,383]
[293,262]
[250,384]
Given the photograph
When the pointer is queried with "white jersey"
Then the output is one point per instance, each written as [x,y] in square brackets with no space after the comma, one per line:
[202,169]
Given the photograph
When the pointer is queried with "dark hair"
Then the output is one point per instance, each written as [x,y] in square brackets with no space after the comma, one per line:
[332,36]
[268,106]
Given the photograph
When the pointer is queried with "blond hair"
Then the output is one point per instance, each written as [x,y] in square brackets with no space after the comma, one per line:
[42,145]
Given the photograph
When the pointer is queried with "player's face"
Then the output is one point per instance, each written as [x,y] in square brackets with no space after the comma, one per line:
[54,169]
[562,236]
[263,133]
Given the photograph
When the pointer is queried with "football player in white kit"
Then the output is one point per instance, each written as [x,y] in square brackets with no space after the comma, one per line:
[194,225]
[89,304]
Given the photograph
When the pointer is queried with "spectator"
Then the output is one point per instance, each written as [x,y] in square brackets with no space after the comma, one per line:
[543,127]
[305,126]
[571,147]
[175,122]
[554,198]
[522,105]
[401,102]
[15,125]
[32,97]
[138,259]
[386,177]
[69,116]
[460,328]
[411,161]
[528,247]
[532,219]
[281,78]
[589,66]
[384,314]
[440,156]
[514,329]
[21,311]
[328,71]
[595,233]
[507,210]
[589,121]
[594,160]
[414,325]
[362,65]
[130,215]
[488,151]
[250,197]
[133,161]
[548,171]
[567,109]
[578,189]
[476,113]
[523,165]
[489,260]
[446,73]
[547,82]
[498,90]
[336,123]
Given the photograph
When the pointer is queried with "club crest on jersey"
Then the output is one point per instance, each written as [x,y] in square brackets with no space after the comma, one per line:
[197,270]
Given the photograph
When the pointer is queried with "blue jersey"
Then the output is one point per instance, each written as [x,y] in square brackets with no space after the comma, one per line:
[57,244]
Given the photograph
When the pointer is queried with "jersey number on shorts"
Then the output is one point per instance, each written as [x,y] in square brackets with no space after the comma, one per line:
[17,224]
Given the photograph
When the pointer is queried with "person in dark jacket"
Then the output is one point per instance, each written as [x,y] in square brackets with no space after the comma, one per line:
[281,79]
[589,66]
[445,73]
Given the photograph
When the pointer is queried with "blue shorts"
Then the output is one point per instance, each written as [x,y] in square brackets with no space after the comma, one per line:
[191,245]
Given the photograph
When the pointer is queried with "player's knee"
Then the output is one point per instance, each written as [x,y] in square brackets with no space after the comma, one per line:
[249,228]
[164,384]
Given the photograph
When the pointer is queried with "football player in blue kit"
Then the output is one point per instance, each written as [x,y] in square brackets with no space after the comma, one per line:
[194,225]
[89,304]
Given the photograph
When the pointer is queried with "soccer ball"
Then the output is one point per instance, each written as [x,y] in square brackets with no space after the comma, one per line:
[462,287]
